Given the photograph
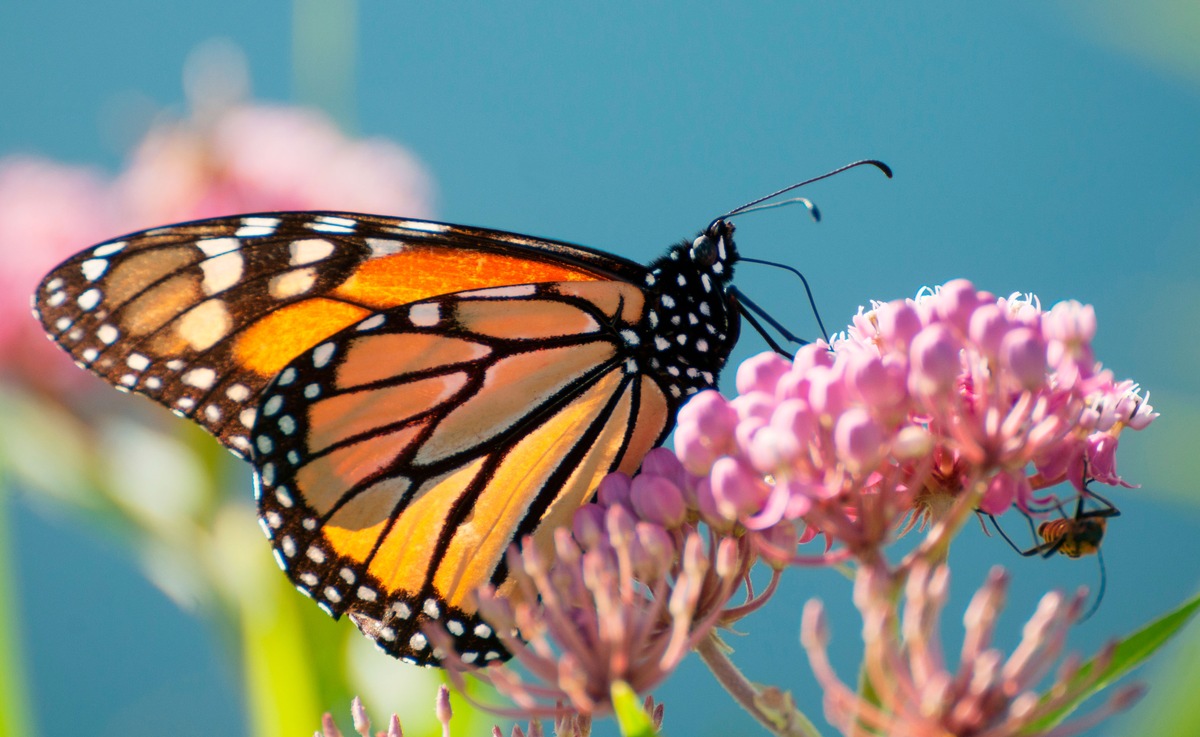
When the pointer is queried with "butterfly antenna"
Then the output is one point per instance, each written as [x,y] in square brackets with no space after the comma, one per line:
[887,171]
[811,301]
[812,208]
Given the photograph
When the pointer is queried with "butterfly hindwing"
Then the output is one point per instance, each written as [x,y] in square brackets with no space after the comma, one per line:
[440,415]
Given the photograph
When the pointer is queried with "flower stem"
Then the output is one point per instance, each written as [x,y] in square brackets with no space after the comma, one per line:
[773,708]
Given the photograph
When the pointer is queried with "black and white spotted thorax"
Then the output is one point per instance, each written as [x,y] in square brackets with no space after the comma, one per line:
[691,321]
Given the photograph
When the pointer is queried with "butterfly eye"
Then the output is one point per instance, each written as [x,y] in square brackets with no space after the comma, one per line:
[704,250]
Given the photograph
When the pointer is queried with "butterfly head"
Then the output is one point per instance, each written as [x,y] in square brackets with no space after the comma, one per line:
[714,249]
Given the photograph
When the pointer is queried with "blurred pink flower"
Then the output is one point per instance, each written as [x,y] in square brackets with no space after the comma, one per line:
[48,211]
[246,158]
[621,599]
[254,158]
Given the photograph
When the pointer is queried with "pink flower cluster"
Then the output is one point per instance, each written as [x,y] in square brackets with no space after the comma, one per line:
[921,402]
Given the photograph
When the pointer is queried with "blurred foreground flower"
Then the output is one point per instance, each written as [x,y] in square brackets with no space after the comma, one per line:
[620,600]
[564,726]
[915,694]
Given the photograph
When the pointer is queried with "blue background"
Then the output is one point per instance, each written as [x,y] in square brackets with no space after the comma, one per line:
[1049,147]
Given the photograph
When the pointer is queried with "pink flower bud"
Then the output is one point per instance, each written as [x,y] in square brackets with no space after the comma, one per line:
[898,323]
[588,524]
[658,500]
[811,356]
[988,328]
[858,440]
[877,380]
[1070,322]
[772,449]
[1023,355]
[934,360]
[656,549]
[827,391]
[695,451]
[1000,494]
[613,490]
[736,489]
[706,502]
[710,413]
[761,373]
[956,302]
[662,462]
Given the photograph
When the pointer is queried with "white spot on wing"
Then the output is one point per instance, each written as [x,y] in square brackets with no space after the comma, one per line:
[322,354]
[211,247]
[94,268]
[108,249]
[328,224]
[425,315]
[201,378]
[137,362]
[292,283]
[221,272]
[238,392]
[107,334]
[308,250]
[384,246]
[371,322]
[89,299]
[204,325]
[252,227]
[425,226]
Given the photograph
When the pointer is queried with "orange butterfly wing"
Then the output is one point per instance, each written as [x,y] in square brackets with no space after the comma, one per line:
[482,416]
[200,316]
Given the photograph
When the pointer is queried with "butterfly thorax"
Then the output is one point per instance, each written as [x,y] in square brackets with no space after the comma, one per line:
[691,319]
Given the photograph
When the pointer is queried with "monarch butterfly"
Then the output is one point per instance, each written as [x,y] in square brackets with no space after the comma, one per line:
[413,396]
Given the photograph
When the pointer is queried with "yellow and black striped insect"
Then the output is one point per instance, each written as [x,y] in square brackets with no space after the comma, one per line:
[1074,536]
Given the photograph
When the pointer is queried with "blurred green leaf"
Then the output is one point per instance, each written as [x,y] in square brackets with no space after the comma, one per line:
[631,718]
[1130,652]
[1170,708]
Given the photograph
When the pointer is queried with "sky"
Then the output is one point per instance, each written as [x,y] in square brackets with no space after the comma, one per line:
[1046,147]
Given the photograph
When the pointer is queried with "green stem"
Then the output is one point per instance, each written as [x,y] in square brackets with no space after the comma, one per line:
[774,709]
[15,718]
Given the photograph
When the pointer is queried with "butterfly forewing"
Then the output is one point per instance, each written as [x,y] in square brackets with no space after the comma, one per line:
[200,316]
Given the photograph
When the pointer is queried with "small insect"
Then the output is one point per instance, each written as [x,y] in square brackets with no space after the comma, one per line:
[1074,536]
[413,396]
